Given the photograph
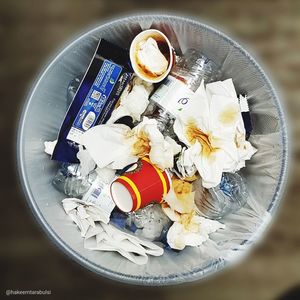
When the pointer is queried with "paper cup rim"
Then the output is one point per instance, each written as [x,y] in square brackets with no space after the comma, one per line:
[115,198]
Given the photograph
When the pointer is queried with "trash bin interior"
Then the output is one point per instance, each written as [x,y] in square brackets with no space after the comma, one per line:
[264,173]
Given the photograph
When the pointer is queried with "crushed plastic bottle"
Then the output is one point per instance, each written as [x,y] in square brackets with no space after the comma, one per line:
[229,196]
[175,91]
[69,180]
[150,222]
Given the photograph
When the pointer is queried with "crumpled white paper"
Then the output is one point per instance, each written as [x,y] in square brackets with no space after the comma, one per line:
[133,101]
[185,162]
[162,149]
[87,164]
[116,146]
[179,235]
[110,145]
[189,229]
[99,235]
[209,123]
[181,196]
[49,146]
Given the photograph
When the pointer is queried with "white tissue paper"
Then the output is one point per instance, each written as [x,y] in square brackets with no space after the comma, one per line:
[162,150]
[209,123]
[110,145]
[116,146]
[181,197]
[87,164]
[195,233]
[133,101]
[49,146]
[189,229]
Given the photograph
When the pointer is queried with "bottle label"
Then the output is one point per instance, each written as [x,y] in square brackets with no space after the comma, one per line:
[173,95]
[99,195]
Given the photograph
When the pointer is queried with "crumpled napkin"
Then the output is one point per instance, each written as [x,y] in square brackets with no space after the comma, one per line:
[49,146]
[208,126]
[87,164]
[133,101]
[189,229]
[116,145]
[99,235]
[181,196]
[185,165]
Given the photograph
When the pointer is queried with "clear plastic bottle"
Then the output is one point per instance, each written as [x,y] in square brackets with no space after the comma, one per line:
[229,196]
[69,180]
[176,90]
[150,222]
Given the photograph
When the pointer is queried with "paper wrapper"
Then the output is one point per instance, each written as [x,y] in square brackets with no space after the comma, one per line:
[264,174]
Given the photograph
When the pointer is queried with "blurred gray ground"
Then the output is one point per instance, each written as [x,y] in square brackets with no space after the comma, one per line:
[30,32]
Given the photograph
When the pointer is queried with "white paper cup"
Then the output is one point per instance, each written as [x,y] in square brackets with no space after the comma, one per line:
[159,37]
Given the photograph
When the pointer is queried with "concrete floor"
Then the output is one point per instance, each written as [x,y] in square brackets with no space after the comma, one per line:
[30,32]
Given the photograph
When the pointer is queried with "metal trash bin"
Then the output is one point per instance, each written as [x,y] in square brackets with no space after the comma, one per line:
[265,174]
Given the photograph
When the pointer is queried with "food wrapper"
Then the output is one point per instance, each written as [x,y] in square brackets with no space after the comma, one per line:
[106,77]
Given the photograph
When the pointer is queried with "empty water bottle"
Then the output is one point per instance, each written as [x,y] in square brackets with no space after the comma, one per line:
[150,222]
[177,89]
[229,196]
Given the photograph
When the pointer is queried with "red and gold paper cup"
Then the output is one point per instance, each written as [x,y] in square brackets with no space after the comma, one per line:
[140,187]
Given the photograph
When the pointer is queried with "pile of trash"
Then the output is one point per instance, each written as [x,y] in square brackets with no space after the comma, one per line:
[150,149]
